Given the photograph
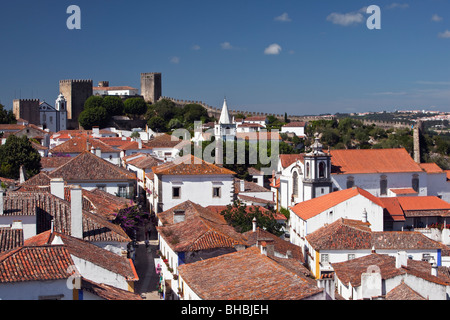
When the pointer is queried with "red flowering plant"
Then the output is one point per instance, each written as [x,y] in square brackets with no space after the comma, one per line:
[130,219]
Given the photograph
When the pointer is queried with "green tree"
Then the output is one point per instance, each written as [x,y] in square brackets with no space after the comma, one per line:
[113,105]
[7,116]
[17,152]
[240,217]
[92,117]
[93,102]
[135,106]
[157,124]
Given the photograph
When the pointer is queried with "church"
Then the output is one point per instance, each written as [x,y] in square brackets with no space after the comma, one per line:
[381,172]
[54,118]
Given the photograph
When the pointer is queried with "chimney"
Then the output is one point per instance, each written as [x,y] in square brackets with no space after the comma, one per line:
[98,152]
[22,174]
[242,186]
[289,254]
[179,216]
[57,187]
[76,212]
[364,216]
[2,195]
[96,131]
[371,283]
[401,259]
[416,139]
[17,225]
[434,267]
[254,224]
[263,248]
[139,141]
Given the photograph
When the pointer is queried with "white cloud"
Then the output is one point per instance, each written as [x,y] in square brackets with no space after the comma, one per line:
[436,18]
[195,47]
[175,60]
[283,18]
[226,46]
[273,49]
[396,5]
[346,19]
[444,35]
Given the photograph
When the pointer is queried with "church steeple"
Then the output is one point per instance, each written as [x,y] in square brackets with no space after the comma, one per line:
[225,115]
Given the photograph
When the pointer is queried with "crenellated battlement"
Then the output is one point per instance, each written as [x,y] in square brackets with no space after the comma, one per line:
[27,100]
[76,81]
[215,112]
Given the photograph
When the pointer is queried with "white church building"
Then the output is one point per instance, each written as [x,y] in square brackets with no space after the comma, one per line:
[54,118]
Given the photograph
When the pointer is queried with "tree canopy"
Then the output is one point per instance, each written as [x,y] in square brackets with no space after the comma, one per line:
[17,152]
[7,116]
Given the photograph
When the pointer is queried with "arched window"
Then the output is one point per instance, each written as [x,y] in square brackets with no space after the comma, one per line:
[321,169]
[295,184]
[383,185]
[415,182]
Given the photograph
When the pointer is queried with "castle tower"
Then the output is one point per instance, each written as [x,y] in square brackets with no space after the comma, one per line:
[151,86]
[27,109]
[61,108]
[317,177]
[76,92]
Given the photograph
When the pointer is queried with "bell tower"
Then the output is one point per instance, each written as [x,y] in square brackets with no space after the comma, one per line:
[61,113]
[317,177]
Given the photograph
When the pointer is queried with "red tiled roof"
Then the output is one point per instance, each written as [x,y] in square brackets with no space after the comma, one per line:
[198,234]
[288,159]
[10,238]
[164,141]
[88,167]
[54,162]
[81,144]
[423,203]
[268,136]
[190,165]
[393,209]
[107,292]
[403,292]
[295,125]
[245,275]
[35,264]
[191,210]
[308,209]
[401,191]
[345,234]
[431,168]
[372,161]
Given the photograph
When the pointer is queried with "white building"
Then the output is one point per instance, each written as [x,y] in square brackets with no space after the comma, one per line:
[356,204]
[54,118]
[298,128]
[191,178]
[225,129]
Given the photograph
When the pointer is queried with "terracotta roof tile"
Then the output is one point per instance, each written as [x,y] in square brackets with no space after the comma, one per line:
[308,209]
[10,238]
[393,210]
[431,168]
[164,141]
[35,264]
[372,161]
[403,293]
[288,159]
[82,144]
[245,275]
[88,166]
[190,165]
[198,234]
[191,210]
[107,292]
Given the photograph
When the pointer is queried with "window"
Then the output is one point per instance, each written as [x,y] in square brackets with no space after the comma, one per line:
[216,192]
[350,182]
[415,183]
[351,256]
[295,184]
[383,185]
[123,191]
[176,192]
[321,169]
[102,187]
[324,259]
[307,170]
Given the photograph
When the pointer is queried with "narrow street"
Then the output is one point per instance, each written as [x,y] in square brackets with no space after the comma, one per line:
[145,266]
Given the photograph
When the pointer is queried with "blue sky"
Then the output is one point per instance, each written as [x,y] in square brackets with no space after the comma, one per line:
[324,59]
